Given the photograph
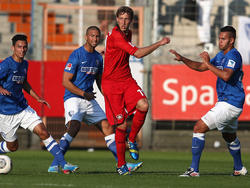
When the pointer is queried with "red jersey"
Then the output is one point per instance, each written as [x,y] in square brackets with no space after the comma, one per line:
[118,50]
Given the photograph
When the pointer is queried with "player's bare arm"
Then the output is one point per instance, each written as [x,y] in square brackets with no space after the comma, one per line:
[141,52]
[67,83]
[4,91]
[99,82]
[31,92]
[198,66]
[224,74]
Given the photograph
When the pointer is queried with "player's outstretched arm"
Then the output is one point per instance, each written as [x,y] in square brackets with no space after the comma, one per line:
[198,66]
[141,52]
[29,90]
[224,74]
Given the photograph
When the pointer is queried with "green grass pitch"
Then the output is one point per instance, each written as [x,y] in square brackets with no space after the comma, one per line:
[97,169]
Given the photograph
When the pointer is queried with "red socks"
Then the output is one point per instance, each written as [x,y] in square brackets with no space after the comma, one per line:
[137,123]
[120,139]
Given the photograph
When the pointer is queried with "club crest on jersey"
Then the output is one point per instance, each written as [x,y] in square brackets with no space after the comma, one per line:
[68,66]
[231,63]
[119,116]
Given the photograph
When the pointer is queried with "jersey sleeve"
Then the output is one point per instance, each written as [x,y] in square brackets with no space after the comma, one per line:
[121,43]
[71,64]
[3,69]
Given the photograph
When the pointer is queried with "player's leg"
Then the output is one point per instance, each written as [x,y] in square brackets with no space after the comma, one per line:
[109,136]
[120,138]
[233,145]
[53,147]
[31,121]
[74,112]
[116,115]
[9,143]
[73,128]
[8,146]
[9,126]
[198,142]
[137,102]
[208,122]
[229,128]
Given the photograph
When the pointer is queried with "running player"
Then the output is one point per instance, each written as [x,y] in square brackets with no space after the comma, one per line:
[121,93]
[227,66]
[83,67]
[14,110]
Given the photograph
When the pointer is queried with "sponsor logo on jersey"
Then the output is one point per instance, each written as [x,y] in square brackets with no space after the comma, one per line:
[83,62]
[231,63]
[18,79]
[119,116]
[68,66]
[89,70]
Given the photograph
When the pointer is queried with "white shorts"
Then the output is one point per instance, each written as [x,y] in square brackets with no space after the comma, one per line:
[222,116]
[9,124]
[83,110]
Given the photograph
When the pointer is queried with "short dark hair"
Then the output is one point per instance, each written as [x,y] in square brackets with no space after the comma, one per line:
[93,27]
[123,10]
[229,29]
[18,37]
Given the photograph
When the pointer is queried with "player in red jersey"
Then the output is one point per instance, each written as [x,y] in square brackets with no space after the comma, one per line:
[122,94]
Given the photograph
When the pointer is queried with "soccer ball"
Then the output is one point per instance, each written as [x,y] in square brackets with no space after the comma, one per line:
[5,164]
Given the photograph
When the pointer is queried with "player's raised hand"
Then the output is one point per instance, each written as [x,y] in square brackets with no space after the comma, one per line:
[4,91]
[164,40]
[43,102]
[205,57]
[178,57]
[89,96]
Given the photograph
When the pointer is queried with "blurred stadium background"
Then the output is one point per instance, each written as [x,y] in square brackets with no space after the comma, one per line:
[177,95]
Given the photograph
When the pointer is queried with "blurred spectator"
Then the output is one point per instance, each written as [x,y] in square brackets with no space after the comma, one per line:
[204,8]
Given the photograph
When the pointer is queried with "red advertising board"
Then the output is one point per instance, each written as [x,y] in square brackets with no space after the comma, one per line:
[46,79]
[179,93]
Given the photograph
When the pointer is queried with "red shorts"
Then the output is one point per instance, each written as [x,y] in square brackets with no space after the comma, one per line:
[121,99]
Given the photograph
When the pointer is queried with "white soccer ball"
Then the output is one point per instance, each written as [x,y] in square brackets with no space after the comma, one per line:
[216,144]
[5,164]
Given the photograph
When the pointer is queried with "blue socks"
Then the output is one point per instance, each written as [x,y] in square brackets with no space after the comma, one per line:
[53,147]
[3,147]
[234,149]
[110,141]
[198,142]
[64,146]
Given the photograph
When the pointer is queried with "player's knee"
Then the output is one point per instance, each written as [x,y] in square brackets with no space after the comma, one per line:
[200,127]
[41,131]
[229,137]
[107,129]
[12,146]
[143,105]
[73,127]
[44,134]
